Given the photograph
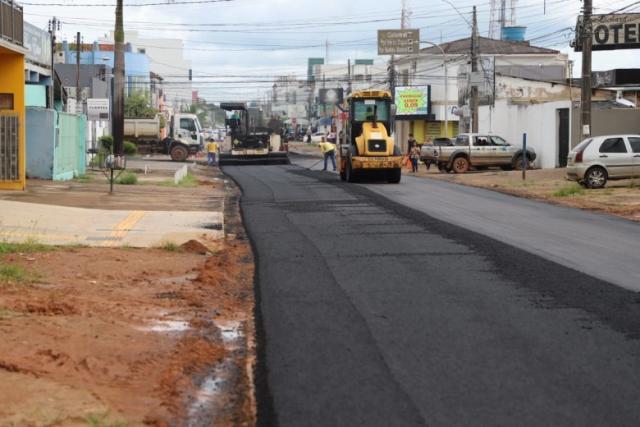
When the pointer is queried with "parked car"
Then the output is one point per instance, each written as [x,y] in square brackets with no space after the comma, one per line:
[317,137]
[601,158]
[472,150]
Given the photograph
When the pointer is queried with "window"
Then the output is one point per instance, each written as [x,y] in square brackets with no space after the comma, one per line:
[635,144]
[583,145]
[462,140]
[187,124]
[363,110]
[6,101]
[481,141]
[613,145]
[496,140]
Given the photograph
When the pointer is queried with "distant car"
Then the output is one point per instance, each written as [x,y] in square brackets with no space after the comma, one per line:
[601,158]
[317,137]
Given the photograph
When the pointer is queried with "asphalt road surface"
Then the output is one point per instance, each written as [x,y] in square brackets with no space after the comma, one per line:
[374,311]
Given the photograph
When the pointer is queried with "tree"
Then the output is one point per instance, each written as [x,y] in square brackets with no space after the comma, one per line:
[137,106]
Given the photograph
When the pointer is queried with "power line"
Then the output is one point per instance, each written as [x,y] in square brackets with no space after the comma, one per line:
[168,3]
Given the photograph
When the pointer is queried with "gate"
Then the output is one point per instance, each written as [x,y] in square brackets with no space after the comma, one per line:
[9,148]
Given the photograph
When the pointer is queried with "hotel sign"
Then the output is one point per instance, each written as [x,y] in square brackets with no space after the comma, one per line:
[612,32]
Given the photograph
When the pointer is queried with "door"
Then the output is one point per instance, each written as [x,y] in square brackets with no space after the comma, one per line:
[503,155]
[634,142]
[617,158]
[482,153]
[563,136]
[189,130]
[9,148]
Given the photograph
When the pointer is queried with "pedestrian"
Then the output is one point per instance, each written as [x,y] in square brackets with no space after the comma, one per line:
[411,143]
[212,152]
[309,135]
[329,152]
[429,161]
[414,156]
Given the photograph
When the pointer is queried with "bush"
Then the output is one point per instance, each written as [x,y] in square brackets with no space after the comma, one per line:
[106,142]
[130,148]
[127,178]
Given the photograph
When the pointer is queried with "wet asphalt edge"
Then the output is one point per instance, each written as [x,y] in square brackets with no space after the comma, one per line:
[555,285]
[265,412]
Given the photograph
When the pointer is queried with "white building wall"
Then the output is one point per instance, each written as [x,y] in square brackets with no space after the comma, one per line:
[539,121]
[167,59]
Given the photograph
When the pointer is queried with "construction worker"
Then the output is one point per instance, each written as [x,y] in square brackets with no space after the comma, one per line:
[212,152]
[329,151]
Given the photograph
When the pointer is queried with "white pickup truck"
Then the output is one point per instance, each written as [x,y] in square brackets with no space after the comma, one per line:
[474,150]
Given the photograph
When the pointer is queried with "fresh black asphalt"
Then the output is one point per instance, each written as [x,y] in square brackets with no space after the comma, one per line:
[371,313]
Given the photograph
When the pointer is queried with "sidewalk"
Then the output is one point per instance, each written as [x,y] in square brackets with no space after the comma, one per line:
[82,212]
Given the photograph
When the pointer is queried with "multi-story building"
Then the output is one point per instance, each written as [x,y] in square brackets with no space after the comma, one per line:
[12,97]
[165,58]
[289,100]
[427,69]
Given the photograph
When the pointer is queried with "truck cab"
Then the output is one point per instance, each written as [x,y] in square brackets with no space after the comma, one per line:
[186,136]
[367,144]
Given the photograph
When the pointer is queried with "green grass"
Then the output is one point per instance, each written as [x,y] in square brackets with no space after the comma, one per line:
[170,246]
[127,178]
[102,420]
[189,181]
[28,246]
[15,275]
[569,191]
[84,179]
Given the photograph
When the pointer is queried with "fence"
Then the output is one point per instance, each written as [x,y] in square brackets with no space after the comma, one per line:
[56,146]
[9,147]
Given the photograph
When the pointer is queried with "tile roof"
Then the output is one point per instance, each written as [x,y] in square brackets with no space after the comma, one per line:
[490,46]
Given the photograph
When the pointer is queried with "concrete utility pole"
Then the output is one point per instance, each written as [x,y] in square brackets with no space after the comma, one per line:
[349,77]
[54,25]
[78,97]
[118,83]
[585,97]
[473,101]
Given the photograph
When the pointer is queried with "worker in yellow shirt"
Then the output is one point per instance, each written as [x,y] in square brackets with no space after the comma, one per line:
[212,152]
[329,151]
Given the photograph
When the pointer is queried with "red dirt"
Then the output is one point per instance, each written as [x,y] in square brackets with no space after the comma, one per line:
[77,344]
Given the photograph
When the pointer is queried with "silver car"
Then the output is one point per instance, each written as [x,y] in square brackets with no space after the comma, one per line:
[600,158]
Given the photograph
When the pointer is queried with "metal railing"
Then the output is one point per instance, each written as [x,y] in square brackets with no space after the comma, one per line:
[11,22]
[9,147]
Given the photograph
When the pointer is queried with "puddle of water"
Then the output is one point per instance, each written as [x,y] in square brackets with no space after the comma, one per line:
[168,326]
[230,331]
[207,401]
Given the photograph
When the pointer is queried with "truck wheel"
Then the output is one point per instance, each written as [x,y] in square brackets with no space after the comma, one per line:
[179,153]
[460,164]
[349,174]
[394,175]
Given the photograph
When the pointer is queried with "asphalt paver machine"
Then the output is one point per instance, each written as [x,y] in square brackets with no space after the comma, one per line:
[249,143]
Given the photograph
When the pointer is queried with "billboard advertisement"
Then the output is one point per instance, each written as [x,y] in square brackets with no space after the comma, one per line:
[413,102]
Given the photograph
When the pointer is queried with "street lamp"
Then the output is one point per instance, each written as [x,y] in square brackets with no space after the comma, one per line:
[446,86]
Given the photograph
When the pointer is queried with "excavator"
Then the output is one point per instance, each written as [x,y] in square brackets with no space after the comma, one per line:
[367,147]
[247,142]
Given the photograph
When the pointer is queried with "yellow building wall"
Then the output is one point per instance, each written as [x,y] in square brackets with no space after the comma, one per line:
[422,129]
[12,81]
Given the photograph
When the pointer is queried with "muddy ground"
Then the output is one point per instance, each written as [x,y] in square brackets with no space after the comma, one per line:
[114,337]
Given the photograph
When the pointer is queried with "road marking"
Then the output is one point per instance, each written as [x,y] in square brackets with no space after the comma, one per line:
[122,228]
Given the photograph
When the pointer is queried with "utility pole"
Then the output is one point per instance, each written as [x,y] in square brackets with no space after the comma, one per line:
[54,25]
[326,51]
[78,97]
[585,97]
[118,80]
[349,77]
[474,69]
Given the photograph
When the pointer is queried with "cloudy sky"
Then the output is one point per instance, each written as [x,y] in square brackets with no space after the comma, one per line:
[236,46]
